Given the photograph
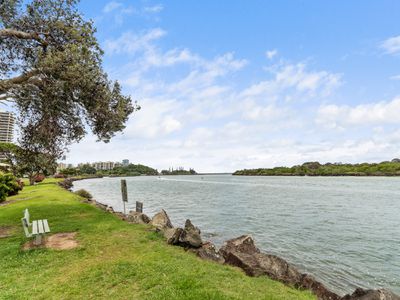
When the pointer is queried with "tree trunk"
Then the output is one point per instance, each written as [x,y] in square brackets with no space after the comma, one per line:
[32,179]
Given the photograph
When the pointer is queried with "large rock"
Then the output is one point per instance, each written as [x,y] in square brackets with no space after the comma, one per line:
[208,251]
[243,253]
[161,220]
[190,236]
[137,217]
[172,235]
[381,294]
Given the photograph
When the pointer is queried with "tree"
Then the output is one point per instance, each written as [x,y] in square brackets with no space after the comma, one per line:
[33,164]
[87,169]
[24,162]
[50,68]
[70,171]
[9,153]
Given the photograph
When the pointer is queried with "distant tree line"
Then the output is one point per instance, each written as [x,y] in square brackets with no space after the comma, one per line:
[386,168]
[129,170]
[179,171]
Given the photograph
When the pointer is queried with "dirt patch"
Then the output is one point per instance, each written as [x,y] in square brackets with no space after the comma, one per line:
[6,231]
[6,202]
[58,241]
[62,241]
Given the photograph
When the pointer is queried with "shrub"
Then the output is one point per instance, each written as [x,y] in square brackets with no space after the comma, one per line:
[9,186]
[59,175]
[84,194]
[39,178]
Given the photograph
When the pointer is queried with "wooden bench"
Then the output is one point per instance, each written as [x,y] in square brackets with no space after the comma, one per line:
[39,228]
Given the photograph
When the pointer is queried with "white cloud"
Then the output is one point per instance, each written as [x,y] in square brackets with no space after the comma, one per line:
[119,11]
[271,53]
[338,116]
[112,6]
[296,79]
[395,77]
[391,45]
[153,9]
[132,43]
[157,118]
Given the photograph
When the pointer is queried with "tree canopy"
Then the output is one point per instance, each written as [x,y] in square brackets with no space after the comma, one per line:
[22,161]
[51,69]
[384,168]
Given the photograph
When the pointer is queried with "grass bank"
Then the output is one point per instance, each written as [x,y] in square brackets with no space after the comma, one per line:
[114,260]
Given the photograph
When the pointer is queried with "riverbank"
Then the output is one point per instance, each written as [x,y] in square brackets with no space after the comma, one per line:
[303,219]
[114,259]
[384,168]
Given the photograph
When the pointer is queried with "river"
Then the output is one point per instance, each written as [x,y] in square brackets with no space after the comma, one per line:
[343,230]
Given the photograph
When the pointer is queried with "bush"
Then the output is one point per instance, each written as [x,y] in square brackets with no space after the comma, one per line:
[39,178]
[9,186]
[84,194]
[59,176]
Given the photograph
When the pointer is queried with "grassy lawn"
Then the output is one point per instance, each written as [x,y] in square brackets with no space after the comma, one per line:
[115,260]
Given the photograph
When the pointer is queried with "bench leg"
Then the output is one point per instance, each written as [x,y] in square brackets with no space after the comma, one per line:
[38,240]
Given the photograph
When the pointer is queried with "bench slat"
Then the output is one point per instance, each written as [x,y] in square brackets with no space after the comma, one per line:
[46,226]
[34,227]
[26,215]
[40,227]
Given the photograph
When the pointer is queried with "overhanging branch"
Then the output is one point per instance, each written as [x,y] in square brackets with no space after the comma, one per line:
[12,33]
[7,84]
[5,97]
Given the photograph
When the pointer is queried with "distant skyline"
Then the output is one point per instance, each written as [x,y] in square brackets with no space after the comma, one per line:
[227,85]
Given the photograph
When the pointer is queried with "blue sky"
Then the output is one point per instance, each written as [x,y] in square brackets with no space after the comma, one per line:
[226,85]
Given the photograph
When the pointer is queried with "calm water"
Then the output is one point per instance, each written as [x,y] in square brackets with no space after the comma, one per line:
[345,231]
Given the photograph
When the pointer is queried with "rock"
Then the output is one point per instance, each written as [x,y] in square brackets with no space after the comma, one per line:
[137,217]
[110,209]
[190,236]
[101,206]
[121,215]
[242,244]
[66,184]
[310,283]
[381,294]
[243,253]
[172,235]
[208,251]
[161,220]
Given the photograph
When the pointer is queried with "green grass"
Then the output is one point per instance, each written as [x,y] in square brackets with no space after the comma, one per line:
[115,260]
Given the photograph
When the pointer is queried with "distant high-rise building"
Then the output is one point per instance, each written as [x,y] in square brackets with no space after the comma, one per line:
[125,162]
[6,127]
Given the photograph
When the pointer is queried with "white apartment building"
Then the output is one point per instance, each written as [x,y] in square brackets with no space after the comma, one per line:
[103,165]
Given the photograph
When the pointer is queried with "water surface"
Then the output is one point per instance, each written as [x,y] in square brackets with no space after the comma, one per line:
[343,230]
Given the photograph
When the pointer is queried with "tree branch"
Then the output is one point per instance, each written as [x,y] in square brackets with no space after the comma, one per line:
[5,97]
[7,84]
[12,33]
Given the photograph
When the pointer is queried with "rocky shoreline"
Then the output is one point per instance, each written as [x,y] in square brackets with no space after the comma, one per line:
[241,252]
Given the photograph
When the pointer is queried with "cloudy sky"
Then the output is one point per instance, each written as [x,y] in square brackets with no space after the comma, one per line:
[226,85]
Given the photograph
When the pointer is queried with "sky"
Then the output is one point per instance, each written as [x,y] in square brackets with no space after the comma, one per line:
[227,85]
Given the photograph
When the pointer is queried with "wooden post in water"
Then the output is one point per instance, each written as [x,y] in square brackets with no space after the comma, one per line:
[139,207]
[124,192]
